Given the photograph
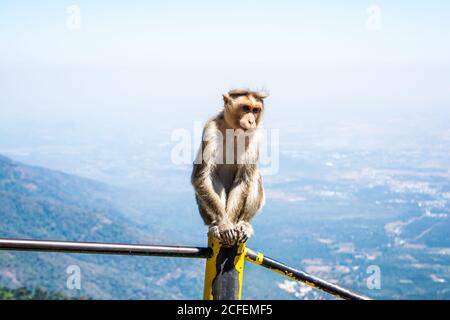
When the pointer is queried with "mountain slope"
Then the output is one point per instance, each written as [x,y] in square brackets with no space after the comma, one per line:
[38,203]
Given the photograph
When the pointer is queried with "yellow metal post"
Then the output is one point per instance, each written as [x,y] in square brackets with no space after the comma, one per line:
[224,271]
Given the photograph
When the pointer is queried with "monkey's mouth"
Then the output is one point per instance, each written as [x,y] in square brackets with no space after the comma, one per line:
[246,130]
[246,127]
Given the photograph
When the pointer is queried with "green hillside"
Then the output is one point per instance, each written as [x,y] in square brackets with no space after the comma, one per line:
[35,294]
[43,204]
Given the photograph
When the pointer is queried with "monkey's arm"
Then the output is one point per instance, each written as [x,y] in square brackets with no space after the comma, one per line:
[203,176]
[212,207]
[204,189]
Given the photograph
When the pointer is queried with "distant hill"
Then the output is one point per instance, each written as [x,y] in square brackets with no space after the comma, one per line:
[38,203]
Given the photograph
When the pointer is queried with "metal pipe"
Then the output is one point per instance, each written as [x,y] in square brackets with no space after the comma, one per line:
[103,248]
[310,280]
[213,268]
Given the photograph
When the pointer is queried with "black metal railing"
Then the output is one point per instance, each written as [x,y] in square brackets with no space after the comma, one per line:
[184,252]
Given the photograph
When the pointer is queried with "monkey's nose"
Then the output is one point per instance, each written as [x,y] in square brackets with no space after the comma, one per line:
[251,122]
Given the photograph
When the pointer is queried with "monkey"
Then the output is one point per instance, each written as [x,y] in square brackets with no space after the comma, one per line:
[227,183]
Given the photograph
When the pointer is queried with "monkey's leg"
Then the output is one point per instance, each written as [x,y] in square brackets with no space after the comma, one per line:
[254,201]
[244,230]
[222,229]
[211,199]
[235,202]
[217,229]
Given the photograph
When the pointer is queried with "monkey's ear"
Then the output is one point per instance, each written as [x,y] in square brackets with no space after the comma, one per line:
[226,98]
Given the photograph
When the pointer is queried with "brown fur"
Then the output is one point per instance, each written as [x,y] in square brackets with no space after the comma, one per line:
[228,185]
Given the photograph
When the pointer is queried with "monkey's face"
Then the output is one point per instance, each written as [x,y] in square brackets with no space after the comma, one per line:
[243,112]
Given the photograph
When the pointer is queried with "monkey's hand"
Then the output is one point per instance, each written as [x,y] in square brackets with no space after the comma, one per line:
[244,231]
[225,232]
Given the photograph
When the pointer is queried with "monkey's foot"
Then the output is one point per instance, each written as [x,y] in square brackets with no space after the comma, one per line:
[244,231]
[224,233]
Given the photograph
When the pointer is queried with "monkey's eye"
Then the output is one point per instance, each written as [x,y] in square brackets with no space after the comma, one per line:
[256,110]
[245,108]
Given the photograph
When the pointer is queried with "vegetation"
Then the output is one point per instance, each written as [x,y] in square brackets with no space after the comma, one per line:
[26,294]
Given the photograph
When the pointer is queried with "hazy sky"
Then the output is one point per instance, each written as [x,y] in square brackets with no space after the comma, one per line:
[174,58]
